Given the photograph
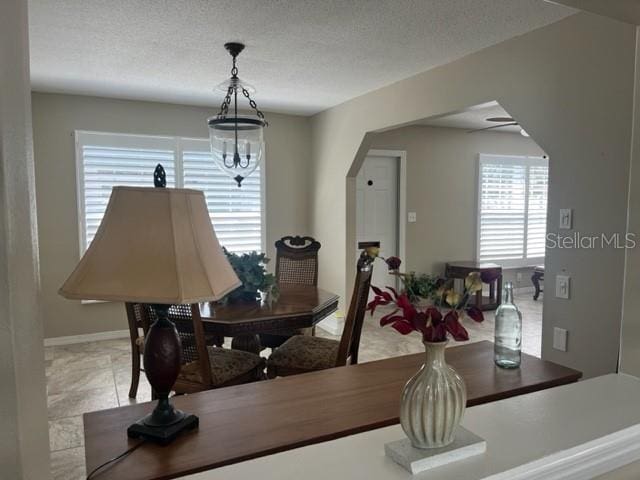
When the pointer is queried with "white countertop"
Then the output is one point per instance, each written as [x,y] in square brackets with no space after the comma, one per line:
[576,431]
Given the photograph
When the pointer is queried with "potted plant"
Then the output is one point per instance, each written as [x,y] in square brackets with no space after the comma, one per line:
[251,271]
[433,401]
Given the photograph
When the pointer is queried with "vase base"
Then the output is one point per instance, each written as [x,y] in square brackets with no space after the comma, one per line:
[416,460]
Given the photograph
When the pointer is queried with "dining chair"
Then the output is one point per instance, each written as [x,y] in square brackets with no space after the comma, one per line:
[301,353]
[138,320]
[296,264]
[205,366]
[297,260]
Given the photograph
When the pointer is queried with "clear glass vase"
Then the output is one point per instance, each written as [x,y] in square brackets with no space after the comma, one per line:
[508,331]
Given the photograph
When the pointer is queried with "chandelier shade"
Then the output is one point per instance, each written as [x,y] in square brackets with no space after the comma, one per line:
[237,140]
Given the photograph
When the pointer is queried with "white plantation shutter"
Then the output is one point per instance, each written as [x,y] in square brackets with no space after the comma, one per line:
[106,160]
[537,210]
[236,212]
[512,204]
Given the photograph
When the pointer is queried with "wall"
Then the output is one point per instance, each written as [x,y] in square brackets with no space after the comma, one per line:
[442,176]
[24,443]
[630,348]
[574,97]
[55,117]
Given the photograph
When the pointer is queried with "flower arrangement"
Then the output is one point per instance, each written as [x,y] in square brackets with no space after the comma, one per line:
[441,317]
[251,271]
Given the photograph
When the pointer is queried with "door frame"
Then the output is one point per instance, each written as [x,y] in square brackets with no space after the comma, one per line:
[401,156]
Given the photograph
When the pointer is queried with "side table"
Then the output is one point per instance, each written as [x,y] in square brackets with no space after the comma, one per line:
[491,273]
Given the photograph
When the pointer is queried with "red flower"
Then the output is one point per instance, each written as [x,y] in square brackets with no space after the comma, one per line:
[457,331]
[393,263]
[475,314]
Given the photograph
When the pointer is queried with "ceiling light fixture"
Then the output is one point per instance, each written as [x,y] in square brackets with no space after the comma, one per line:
[237,143]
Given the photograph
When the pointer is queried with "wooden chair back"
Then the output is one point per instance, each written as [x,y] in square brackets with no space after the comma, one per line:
[138,318]
[350,340]
[297,260]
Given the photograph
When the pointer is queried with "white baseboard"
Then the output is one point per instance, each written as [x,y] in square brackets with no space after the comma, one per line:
[333,324]
[88,337]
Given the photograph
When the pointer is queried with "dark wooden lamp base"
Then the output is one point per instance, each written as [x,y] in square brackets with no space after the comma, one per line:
[162,434]
[161,359]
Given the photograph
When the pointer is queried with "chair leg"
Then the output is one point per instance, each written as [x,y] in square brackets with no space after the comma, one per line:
[135,371]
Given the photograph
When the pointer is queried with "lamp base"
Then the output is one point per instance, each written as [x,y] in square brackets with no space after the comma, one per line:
[162,434]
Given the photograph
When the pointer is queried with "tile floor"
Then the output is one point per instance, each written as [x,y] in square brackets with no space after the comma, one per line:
[96,375]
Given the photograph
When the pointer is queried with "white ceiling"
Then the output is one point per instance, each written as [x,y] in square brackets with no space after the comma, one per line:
[302,56]
[473,118]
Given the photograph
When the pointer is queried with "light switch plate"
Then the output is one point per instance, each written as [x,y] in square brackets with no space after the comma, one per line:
[565,218]
[562,286]
[412,217]
[560,339]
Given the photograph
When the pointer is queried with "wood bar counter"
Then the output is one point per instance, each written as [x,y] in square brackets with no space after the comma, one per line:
[249,421]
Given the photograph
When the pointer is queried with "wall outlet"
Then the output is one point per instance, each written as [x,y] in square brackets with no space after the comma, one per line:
[565,218]
[412,217]
[519,277]
[562,286]
[560,339]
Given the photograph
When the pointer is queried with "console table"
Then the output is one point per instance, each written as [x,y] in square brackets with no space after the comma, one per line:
[490,273]
[249,421]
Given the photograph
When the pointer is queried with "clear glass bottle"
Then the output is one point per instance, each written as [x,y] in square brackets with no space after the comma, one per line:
[508,331]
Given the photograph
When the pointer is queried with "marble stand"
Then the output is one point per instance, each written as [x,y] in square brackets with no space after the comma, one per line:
[418,460]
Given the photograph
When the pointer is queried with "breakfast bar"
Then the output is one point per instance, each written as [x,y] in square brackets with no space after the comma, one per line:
[254,420]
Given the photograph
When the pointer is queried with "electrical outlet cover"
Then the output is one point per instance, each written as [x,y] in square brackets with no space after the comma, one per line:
[560,339]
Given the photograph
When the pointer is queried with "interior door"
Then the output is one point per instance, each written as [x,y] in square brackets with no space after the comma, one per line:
[377,210]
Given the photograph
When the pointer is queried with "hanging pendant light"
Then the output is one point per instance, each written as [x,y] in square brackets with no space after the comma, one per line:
[237,143]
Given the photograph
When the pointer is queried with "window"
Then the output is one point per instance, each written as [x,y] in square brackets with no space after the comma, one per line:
[512,206]
[104,160]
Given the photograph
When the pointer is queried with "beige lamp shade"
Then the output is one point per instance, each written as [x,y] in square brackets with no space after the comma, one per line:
[154,245]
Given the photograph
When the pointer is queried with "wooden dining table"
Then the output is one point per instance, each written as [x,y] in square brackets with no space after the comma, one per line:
[295,307]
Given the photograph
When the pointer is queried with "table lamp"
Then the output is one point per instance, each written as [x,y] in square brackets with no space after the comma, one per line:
[155,246]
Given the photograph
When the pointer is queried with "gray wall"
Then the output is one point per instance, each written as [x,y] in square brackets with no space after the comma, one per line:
[24,444]
[442,177]
[570,85]
[55,117]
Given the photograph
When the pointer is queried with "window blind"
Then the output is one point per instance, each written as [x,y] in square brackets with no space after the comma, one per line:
[512,209]
[105,160]
[236,213]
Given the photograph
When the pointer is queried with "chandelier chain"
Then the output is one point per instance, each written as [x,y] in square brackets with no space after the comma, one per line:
[253,104]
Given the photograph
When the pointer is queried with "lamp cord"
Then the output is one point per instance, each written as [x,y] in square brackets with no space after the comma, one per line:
[114,459]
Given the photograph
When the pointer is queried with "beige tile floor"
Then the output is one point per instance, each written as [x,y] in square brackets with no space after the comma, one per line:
[96,375]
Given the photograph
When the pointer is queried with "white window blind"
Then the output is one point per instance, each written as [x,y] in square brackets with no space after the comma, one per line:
[235,212]
[512,209]
[105,160]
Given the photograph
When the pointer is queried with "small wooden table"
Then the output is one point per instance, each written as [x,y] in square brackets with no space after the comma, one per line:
[257,419]
[296,307]
[490,273]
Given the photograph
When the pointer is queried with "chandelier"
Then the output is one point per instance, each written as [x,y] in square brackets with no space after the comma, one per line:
[237,143]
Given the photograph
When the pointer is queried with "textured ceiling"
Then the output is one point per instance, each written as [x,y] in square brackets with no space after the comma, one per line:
[473,118]
[302,56]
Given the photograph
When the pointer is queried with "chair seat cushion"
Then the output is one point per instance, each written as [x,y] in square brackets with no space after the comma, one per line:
[226,365]
[305,353]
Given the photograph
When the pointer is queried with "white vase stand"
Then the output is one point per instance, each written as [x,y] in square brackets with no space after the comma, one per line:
[416,460]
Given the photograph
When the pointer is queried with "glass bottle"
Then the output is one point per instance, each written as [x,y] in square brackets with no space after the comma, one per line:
[508,331]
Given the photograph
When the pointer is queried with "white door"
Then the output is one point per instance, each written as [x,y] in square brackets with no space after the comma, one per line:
[377,210]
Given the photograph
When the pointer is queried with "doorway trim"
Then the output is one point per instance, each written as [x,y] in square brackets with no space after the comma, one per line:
[401,155]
